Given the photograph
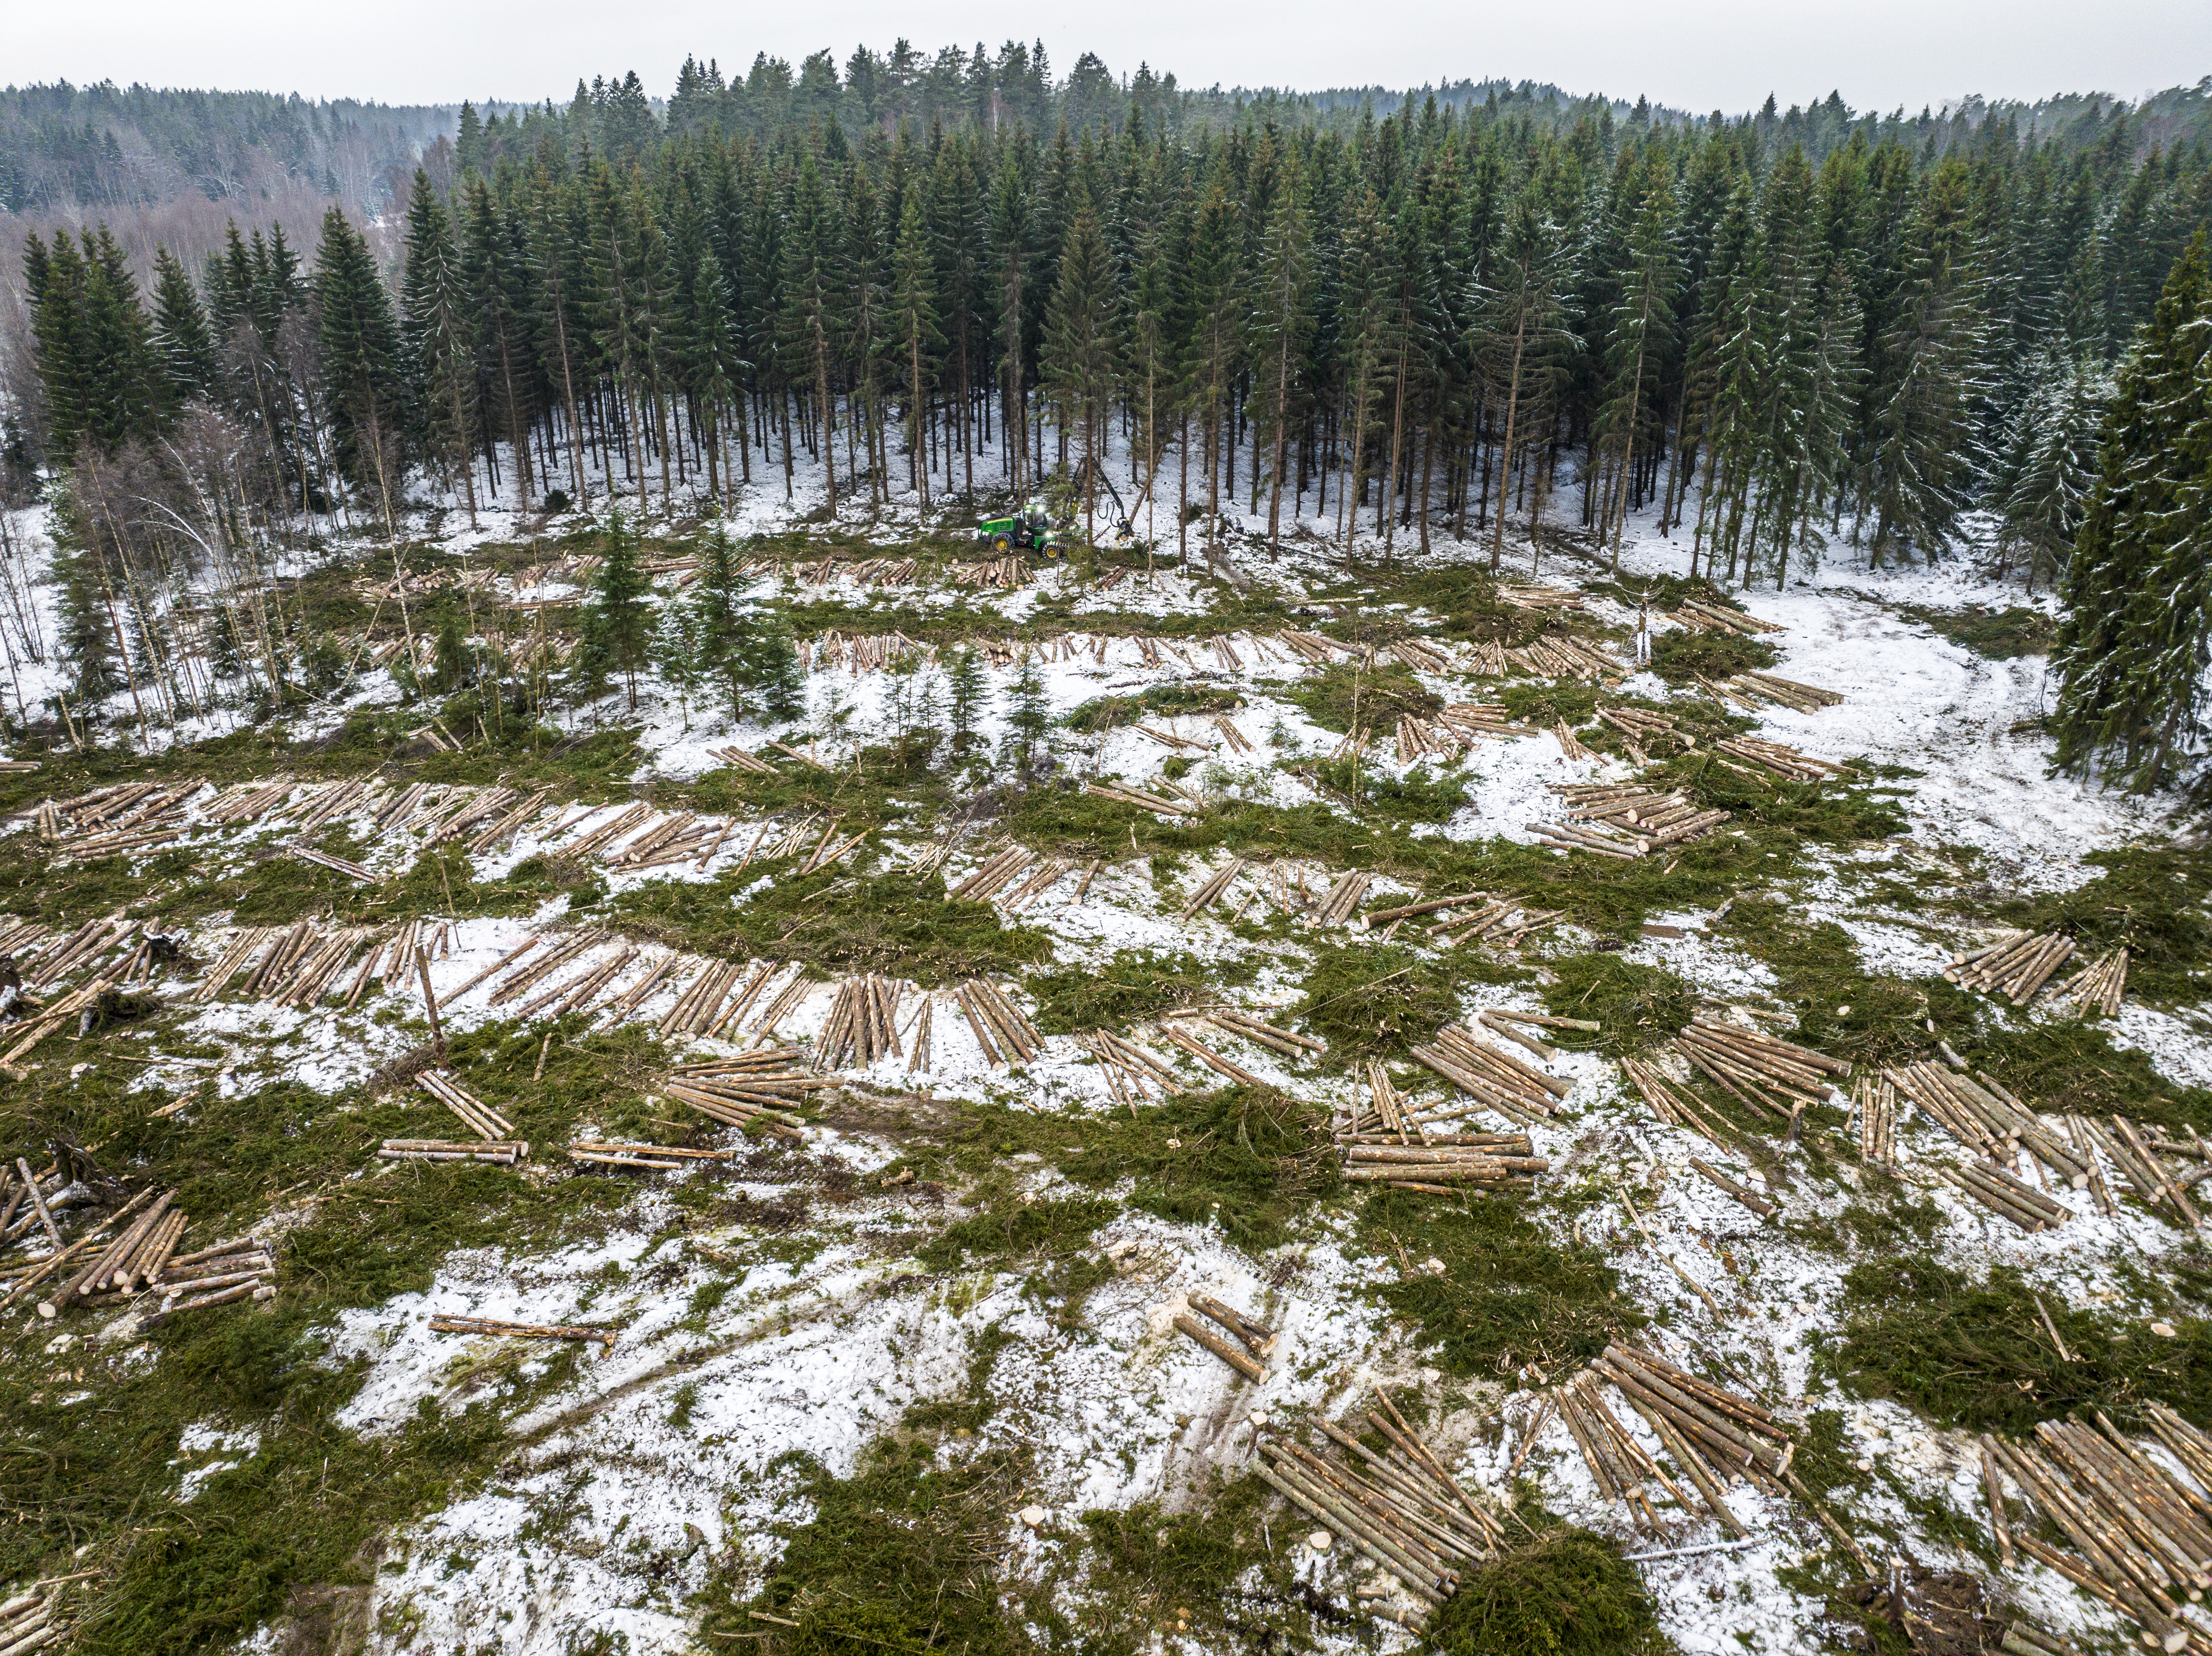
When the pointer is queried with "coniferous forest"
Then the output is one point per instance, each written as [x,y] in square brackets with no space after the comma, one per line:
[1487,308]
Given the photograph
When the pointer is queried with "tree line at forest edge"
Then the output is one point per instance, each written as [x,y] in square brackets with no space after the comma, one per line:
[1432,324]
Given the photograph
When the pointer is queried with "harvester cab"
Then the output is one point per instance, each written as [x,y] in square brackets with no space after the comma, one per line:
[1029,529]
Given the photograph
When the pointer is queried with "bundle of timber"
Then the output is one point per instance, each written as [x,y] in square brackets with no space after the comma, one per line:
[1762,1071]
[323,859]
[1713,1434]
[1040,880]
[2141,1529]
[866,652]
[1255,1340]
[757,1086]
[1559,836]
[1568,748]
[1473,718]
[140,1250]
[1755,691]
[863,1024]
[1874,1111]
[2006,1194]
[51,1017]
[661,1158]
[1652,819]
[1129,1067]
[1762,758]
[1696,616]
[744,761]
[1982,1116]
[605,1336]
[1420,655]
[1315,648]
[1440,1169]
[1677,1105]
[1232,736]
[1343,897]
[1489,1076]
[1185,803]
[1421,738]
[701,1010]
[1213,887]
[2136,1154]
[1618,1464]
[2097,987]
[82,948]
[1526,596]
[1502,921]
[1171,739]
[1390,1111]
[1231,1021]
[1640,728]
[27,1621]
[686,838]
[1007,571]
[216,1276]
[1567,657]
[476,1115]
[503,1152]
[1206,1055]
[1003,1033]
[1400,1506]
[2017,964]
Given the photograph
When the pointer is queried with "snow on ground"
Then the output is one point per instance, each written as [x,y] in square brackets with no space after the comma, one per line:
[611,1513]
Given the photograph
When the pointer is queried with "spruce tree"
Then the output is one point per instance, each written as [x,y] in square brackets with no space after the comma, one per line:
[1283,325]
[915,327]
[968,693]
[2051,467]
[1078,358]
[617,625]
[184,344]
[1521,339]
[435,304]
[362,361]
[2133,646]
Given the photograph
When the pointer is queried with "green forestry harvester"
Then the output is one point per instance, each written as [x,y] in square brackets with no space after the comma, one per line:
[1029,529]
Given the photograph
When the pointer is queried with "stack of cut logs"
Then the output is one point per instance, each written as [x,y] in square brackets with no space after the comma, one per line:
[1768,1074]
[1503,1084]
[1675,1105]
[215,1276]
[1561,657]
[1205,1054]
[478,1117]
[1255,1340]
[138,1253]
[1982,1115]
[1244,1024]
[660,1158]
[863,1024]
[27,1622]
[1503,922]
[1696,616]
[2006,1194]
[2143,1535]
[1754,690]
[1442,1164]
[1343,897]
[2016,965]
[2097,987]
[764,1085]
[1129,1067]
[1182,804]
[1640,728]
[1003,1033]
[1400,1506]
[1473,718]
[1007,571]
[1874,1110]
[2136,1153]
[1637,820]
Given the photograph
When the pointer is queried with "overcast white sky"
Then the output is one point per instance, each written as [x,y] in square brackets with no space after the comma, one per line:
[1693,54]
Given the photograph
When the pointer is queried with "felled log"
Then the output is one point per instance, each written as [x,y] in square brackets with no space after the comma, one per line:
[605,1336]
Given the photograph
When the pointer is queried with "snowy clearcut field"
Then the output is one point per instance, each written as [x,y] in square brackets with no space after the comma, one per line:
[605,1519]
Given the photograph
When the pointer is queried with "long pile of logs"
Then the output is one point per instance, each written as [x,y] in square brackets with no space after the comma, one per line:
[1184,804]
[217,1275]
[2136,1154]
[1763,760]
[1255,1340]
[1768,1074]
[1874,1111]
[2016,965]
[605,1336]
[1677,1105]
[1501,1161]
[1492,1078]
[1213,887]
[2097,987]
[660,1158]
[1650,818]
[762,1085]
[2006,1194]
[27,1622]
[1006,1036]
[1128,1067]
[863,1026]
[82,948]
[1400,1507]
[1007,571]
[1696,616]
[1206,1055]
[1473,718]
[77,1003]
[1503,922]
[2142,1535]
[502,1152]
[140,1249]
[1980,1114]
[478,1117]
[1343,897]
[1561,656]
[1244,1024]
[1755,690]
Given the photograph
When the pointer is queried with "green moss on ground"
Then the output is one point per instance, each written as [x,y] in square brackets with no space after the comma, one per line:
[1107,712]
[1681,657]
[1999,635]
[1637,1006]
[1136,985]
[1366,997]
